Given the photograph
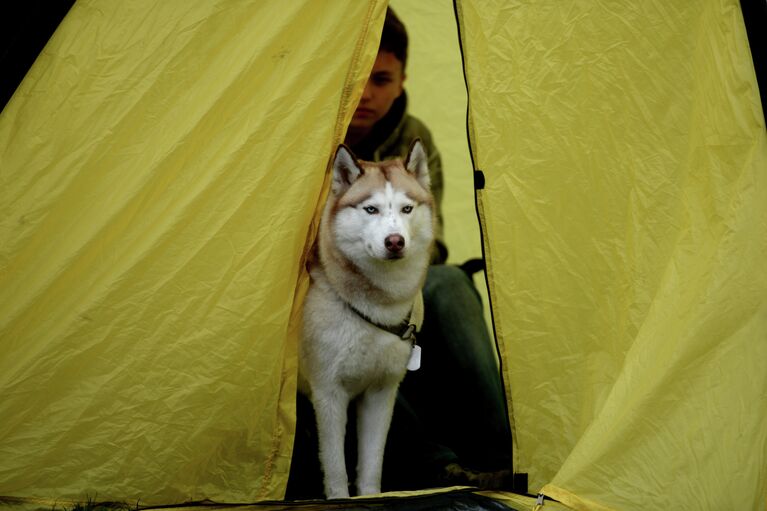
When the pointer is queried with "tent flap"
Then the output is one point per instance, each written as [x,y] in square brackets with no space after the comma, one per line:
[624,151]
[160,171]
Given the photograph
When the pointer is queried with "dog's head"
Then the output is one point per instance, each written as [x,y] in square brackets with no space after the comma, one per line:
[383,210]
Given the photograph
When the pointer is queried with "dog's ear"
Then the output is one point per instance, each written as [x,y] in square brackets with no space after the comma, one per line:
[418,164]
[346,170]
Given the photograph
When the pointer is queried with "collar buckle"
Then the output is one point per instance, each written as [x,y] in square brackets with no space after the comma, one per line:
[409,333]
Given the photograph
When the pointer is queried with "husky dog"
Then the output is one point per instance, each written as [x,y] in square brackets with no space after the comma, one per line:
[364,301]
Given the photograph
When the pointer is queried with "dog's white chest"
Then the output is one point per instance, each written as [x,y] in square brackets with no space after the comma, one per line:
[372,359]
[340,348]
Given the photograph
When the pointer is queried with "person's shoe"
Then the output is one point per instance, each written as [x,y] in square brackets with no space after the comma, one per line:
[456,475]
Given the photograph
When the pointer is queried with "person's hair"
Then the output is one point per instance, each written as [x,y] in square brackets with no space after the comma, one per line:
[394,37]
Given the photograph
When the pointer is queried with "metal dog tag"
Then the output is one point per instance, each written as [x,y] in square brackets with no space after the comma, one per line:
[415,359]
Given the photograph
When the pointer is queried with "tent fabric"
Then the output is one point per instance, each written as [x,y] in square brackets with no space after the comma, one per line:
[625,226]
[160,169]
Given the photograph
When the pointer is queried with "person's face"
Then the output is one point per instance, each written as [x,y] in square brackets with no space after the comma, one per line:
[383,87]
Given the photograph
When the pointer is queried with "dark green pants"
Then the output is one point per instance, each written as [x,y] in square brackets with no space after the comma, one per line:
[453,409]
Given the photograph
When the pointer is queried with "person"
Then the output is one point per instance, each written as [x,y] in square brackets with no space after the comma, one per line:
[450,424]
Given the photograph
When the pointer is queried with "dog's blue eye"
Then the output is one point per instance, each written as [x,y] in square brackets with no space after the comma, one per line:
[407,209]
[371,210]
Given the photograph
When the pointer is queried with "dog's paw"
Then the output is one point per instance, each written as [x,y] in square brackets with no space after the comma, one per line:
[337,493]
[368,489]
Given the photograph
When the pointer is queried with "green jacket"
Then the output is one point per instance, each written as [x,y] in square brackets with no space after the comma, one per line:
[391,138]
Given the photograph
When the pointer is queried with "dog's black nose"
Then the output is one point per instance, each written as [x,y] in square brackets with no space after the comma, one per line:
[394,243]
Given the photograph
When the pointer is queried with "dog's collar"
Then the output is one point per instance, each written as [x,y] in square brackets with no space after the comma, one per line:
[405,330]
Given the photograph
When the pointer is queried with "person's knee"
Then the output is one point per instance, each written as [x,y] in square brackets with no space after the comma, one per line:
[448,283]
[445,276]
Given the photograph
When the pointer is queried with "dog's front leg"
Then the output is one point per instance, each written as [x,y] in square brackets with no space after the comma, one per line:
[374,411]
[331,410]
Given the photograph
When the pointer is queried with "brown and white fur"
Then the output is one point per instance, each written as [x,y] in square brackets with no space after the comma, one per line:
[375,242]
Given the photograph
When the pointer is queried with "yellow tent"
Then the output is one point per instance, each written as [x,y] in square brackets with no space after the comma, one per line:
[161,169]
